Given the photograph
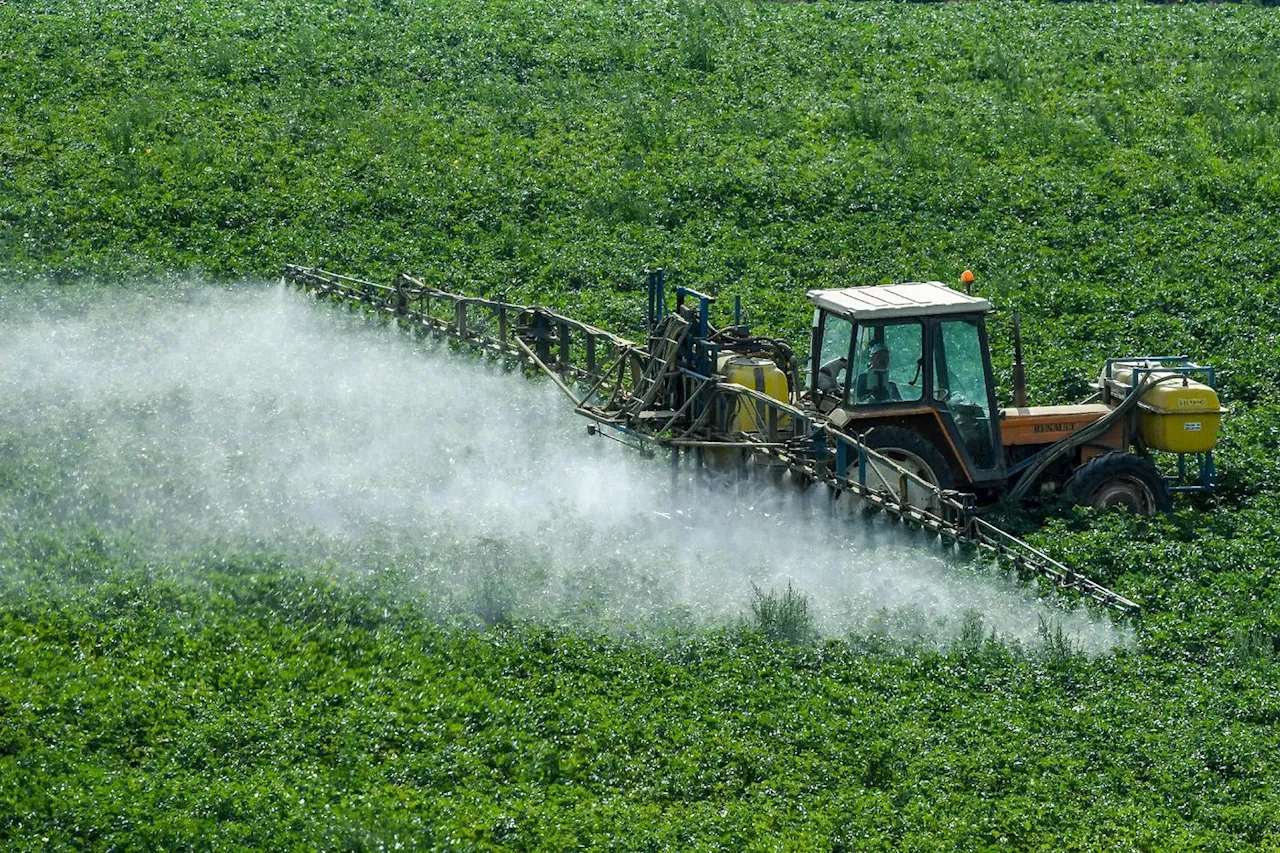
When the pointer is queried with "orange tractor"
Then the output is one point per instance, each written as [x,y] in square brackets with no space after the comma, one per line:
[907,369]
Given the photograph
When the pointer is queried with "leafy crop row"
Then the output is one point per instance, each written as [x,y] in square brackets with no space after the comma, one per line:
[1109,169]
[234,701]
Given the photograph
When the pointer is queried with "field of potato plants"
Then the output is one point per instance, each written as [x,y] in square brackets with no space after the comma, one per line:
[229,619]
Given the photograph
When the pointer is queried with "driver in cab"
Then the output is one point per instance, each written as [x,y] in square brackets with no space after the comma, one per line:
[873,385]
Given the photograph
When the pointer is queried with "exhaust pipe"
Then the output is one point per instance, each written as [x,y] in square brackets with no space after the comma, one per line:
[1019,368]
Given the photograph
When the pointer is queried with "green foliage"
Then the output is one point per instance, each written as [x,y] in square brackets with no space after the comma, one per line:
[229,700]
[1110,169]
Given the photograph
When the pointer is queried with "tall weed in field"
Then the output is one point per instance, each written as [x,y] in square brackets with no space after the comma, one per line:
[782,615]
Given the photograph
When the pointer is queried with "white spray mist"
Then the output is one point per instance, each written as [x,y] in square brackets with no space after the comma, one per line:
[256,416]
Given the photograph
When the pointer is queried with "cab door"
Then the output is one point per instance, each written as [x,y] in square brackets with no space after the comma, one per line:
[845,371]
[831,350]
[963,391]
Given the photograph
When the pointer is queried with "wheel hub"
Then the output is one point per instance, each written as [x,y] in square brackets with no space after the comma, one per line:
[1126,492]
[917,495]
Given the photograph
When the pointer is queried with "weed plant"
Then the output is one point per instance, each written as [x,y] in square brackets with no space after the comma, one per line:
[782,616]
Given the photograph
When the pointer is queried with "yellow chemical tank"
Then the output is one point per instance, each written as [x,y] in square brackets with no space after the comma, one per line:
[758,374]
[1178,415]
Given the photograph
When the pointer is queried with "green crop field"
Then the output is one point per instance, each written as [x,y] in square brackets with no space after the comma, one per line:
[1112,170]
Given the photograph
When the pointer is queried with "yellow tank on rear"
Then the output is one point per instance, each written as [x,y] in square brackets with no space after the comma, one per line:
[1178,415]
[758,374]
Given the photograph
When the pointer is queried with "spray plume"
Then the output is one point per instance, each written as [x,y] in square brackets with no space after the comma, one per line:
[254,418]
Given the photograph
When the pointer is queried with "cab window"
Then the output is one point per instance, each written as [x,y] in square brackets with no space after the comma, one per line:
[833,358]
[888,364]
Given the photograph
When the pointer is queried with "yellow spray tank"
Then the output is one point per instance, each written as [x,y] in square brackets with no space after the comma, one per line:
[758,374]
[1180,415]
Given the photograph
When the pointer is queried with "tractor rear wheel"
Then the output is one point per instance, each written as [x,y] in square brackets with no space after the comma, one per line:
[913,452]
[916,454]
[1119,479]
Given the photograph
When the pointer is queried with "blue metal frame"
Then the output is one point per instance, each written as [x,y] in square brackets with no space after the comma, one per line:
[698,356]
[657,296]
[1169,363]
[843,461]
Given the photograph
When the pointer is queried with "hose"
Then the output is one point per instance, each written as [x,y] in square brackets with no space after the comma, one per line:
[1086,435]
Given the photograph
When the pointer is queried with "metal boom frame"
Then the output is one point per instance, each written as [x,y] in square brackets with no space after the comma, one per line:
[667,395]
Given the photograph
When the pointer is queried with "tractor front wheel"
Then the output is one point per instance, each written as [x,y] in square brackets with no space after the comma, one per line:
[1119,479]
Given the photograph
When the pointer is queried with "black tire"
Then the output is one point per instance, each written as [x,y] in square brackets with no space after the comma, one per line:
[1119,479]
[900,444]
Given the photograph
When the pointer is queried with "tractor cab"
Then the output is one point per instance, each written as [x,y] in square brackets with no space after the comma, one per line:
[910,358]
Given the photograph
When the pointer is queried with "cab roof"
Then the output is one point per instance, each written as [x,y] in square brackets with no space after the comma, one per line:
[911,299]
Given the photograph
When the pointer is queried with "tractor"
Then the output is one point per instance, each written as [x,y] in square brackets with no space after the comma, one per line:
[906,368]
